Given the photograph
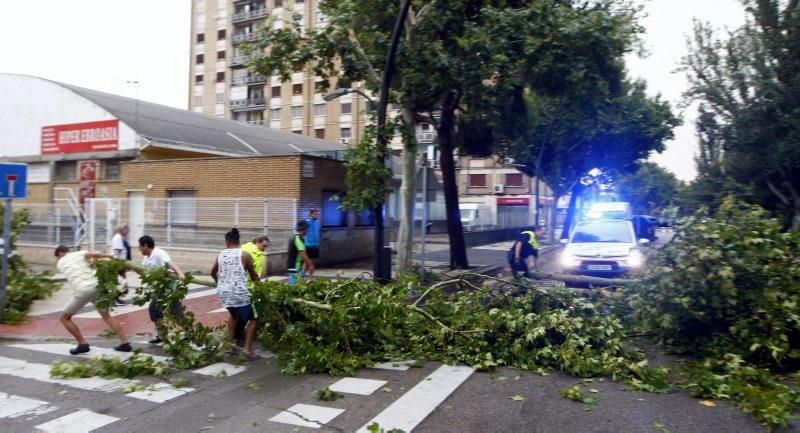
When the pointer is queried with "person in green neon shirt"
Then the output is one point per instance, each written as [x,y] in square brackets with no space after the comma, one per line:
[258,251]
[297,255]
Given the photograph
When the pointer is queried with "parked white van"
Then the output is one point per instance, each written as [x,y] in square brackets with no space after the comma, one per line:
[475,216]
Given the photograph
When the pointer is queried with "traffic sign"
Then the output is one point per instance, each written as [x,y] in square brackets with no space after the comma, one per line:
[13,180]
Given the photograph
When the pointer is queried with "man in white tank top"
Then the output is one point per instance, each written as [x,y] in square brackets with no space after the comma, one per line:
[230,272]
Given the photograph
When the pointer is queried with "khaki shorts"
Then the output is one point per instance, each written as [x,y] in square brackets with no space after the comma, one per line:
[80,299]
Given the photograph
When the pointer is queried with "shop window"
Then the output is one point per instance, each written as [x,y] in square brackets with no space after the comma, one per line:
[201,37]
[332,213]
[477,181]
[112,169]
[319,133]
[276,91]
[297,89]
[182,207]
[514,179]
[66,170]
[346,108]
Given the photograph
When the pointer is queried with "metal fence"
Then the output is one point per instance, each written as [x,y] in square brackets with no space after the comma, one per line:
[179,221]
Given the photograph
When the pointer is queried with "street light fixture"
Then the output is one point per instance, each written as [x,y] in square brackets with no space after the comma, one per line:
[341,91]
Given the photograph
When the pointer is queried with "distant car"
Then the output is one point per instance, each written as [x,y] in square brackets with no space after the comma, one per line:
[603,248]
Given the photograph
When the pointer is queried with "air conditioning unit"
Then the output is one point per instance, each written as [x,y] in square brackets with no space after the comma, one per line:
[499,188]
[346,140]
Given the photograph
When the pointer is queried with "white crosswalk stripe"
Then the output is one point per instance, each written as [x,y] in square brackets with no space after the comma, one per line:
[14,406]
[41,372]
[77,422]
[95,352]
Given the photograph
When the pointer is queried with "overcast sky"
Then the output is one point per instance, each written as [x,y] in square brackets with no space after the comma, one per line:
[108,44]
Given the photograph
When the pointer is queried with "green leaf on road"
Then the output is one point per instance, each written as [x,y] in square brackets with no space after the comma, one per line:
[517,397]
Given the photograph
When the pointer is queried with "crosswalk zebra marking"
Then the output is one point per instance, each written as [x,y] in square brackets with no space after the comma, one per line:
[160,392]
[14,406]
[306,415]
[41,372]
[63,349]
[218,368]
[81,421]
[354,385]
[395,365]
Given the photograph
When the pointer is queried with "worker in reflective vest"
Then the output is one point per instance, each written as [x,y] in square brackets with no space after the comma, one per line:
[526,245]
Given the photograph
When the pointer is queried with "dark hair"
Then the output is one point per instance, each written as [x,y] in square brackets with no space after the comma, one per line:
[301,225]
[313,210]
[232,236]
[61,249]
[259,239]
[147,241]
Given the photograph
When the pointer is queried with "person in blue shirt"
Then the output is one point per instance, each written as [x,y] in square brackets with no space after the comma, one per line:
[312,241]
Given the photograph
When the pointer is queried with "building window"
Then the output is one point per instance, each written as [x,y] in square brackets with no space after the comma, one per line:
[201,37]
[221,34]
[321,18]
[276,91]
[365,218]
[220,77]
[198,79]
[274,114]
[66,170]
[514,179]
[347,108]
[297,112]
[111,169]
[477,181]
[278,3]
[332,213]
[426,126]
[198,100]
[220,98]
[182,207]
[297,131]
[319,110]
[319,86]
[199,59]
[220,55]
[346,133]
[201,19]
[297,89]
[319,133]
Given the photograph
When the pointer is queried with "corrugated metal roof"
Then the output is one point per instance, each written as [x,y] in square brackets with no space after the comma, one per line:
[199,132]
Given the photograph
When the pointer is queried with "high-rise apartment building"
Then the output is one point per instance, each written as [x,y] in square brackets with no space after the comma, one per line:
[221,85]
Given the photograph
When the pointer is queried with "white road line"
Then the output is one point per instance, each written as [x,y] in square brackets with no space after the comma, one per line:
[41,372]
[160,393]
[13,406]
[353,385]
[218,368]
[77,422]
[395,365]
[132,308]
[410,409]
[95,352]
[219,310]
[307,415]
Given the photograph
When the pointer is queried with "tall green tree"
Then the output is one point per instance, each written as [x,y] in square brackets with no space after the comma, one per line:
[648,189]
[749,84]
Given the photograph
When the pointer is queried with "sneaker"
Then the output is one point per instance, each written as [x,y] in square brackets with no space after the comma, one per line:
[119,303]
[252,356]
[121,347]
[81,348]
[234,350]
[156,340]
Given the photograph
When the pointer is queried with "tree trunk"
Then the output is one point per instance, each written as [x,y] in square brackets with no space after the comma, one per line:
[445,130]
[405,234]
[551,230]
[573,200]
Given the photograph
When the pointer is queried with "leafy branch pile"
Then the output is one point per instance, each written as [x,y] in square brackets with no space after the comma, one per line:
[135,365]
[24,284]
[727,289]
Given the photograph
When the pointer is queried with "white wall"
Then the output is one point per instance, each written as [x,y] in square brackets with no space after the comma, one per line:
[29,103]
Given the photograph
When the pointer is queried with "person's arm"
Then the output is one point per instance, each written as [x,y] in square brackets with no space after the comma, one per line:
[247,261]
[95,255]
[215,269]
[176,269]
[517,251]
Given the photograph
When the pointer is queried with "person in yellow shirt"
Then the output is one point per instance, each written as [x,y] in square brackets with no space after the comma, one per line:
[258,251]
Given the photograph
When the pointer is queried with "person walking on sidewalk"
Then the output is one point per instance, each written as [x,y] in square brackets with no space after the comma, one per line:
[297,260]
[83,279]
[121,249]
[230,271]
[526,245]
[155,258]
[312,242]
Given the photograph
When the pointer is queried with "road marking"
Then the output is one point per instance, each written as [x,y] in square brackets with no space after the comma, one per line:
[410,409]
[133,308]
[41,372]
[160,393]
[218,368]
[77,422]
[13,406]
[395,365]
[353,385]
[218,310]
[307,415]
[96,352]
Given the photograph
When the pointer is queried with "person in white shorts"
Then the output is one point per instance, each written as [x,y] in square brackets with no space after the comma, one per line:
[83,279]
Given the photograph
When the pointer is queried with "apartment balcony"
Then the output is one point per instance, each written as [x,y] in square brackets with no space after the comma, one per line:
[247,104]
[255,122]
[426,137]
[249,15]
[240,60]
[248,80]
[244,37]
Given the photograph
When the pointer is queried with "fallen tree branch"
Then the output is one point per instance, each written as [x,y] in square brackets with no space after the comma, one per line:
[583,279]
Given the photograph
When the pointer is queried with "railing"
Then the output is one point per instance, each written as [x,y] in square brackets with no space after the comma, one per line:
[244,37]
[256,122]
[247,103]
[243,16]
[250,79]
[238,60]
[426,137]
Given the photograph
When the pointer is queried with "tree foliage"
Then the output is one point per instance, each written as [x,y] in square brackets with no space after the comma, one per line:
[749,83]
[648,189]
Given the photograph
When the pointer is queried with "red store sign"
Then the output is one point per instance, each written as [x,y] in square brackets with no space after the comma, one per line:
[81,137]
[512,201]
